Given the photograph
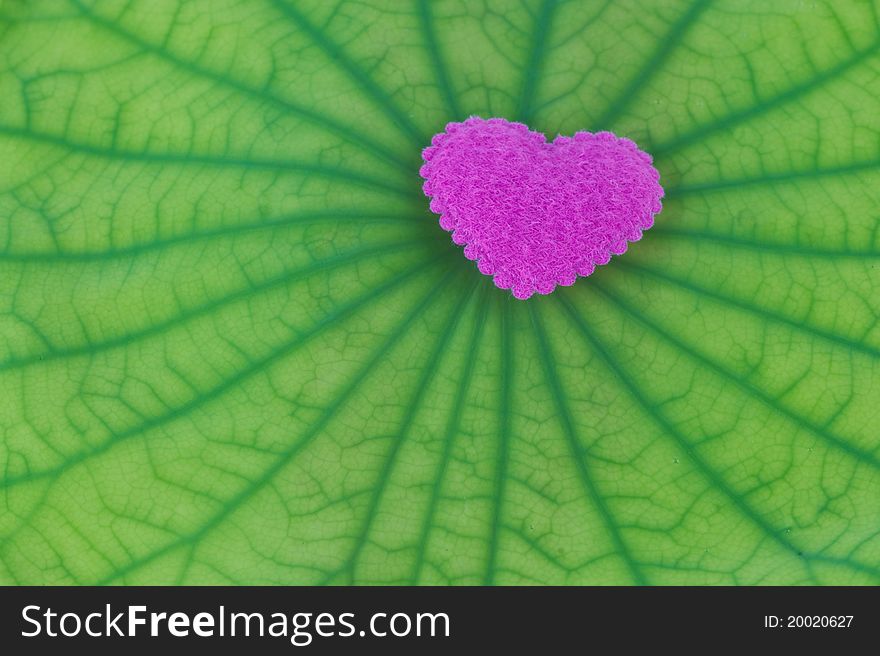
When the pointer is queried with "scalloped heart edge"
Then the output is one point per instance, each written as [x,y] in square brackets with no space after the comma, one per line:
[539,137]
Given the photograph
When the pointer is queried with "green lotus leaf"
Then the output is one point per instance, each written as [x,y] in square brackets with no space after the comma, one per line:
[237,347]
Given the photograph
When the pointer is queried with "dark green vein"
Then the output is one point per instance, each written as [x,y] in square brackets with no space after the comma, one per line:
[683,444]
[28,517]
[578,454]
[764,313]
[220,161]
[775,248]
[217,391]
[503,459]
[533,68]
[186,564]
[286,277]
[452,427]
[429,371]
[772,178]
[123,252]
[426,16]
[237,500]
[857,453]
[339,57]
[317,118]
[851,564]
[792,93]
[580,33]
[654,62]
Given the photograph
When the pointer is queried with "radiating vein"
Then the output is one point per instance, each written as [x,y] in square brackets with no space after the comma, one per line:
[861,455]
[682,190]
[216,161]
[791,94]
[684,445]
[503,458]
[776,248]
[452,427]
[289,454]
[332,217]
[338,56]
[284,278]
[317,118]
[653,63]
[253,368]
[577,454]
[435,54]
[762,312]
[429,370]
[533,69]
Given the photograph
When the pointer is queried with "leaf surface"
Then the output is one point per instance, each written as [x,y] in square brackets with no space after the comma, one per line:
[237,348]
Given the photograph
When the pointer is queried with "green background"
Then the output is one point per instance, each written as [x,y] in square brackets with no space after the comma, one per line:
[235,347]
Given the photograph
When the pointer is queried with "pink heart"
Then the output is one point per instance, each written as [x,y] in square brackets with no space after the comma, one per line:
[535,214]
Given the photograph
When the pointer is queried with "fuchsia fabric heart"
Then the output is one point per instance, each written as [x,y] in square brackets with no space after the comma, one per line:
[535,214]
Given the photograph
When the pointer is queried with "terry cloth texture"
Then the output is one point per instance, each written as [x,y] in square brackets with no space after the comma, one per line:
[535,214]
